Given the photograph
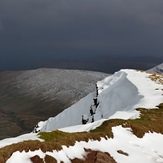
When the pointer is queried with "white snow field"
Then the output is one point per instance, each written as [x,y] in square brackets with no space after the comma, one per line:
[118,97]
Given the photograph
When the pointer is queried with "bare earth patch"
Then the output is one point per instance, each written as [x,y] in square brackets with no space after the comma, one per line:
[95,157]
[123,153]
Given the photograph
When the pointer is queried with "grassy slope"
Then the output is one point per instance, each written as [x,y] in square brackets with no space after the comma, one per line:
[150,121]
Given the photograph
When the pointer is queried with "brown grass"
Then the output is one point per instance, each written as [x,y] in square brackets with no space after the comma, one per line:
[151,121]
[50,159]
[156,77]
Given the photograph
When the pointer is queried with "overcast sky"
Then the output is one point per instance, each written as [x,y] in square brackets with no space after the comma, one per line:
[33,31]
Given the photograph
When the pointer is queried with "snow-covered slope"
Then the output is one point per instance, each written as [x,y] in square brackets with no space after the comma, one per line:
[157,69]
[118,97]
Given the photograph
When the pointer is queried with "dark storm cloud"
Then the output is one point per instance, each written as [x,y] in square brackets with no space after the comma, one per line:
[42,29]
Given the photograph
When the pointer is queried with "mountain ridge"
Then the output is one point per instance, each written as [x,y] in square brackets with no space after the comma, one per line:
[123,86]
[126,128]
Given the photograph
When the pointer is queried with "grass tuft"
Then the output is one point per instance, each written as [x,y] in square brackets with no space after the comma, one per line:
[156,77]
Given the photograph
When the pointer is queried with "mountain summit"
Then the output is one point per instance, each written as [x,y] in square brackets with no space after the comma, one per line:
[121,121]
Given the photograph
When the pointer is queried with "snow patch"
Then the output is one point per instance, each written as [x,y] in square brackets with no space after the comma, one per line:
[9,141]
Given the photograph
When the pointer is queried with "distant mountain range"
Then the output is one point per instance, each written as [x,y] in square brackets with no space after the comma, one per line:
[157,69]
